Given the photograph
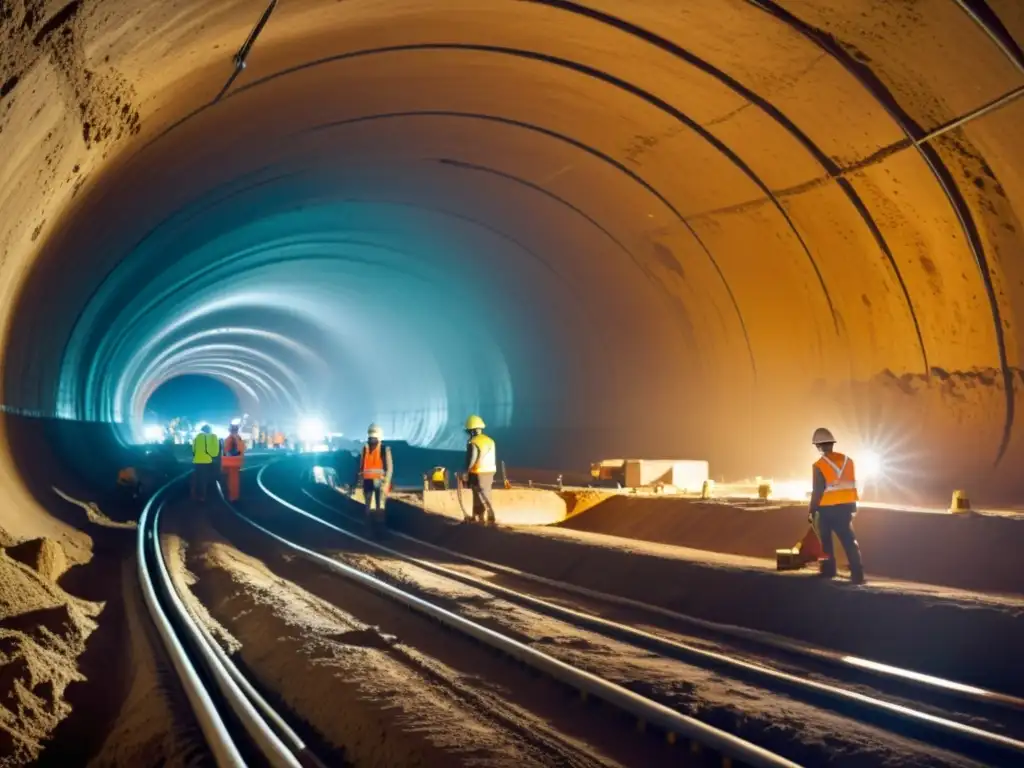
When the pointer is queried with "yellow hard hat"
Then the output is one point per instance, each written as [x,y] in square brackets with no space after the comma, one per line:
[822,435]
[475,422]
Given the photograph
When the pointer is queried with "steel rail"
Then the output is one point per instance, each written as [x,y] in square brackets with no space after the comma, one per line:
[268,732]
[640,707]
[215,732]
[687,652]
[759,637]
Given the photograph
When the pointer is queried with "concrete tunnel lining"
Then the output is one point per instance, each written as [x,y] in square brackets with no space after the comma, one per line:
[697,232]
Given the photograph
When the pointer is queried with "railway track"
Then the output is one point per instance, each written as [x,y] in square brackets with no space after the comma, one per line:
[925,718]
[240,728]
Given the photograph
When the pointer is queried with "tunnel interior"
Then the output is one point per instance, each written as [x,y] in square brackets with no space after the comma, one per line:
[645,229]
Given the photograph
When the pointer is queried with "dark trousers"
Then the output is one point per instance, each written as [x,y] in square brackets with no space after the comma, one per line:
[374,489]
[838,520]
[481,485]
[203,475]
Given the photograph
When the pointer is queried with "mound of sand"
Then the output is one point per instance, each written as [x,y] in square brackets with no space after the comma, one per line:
[45,556]
[43,631]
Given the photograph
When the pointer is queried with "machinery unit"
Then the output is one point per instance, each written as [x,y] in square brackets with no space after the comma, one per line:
[685,475]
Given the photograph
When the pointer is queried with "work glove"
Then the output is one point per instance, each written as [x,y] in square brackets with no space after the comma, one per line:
[810,518]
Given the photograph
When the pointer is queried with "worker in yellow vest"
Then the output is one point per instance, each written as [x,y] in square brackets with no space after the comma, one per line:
[376,468]
[205,450]
[231,463]
[481,466]
[834,504]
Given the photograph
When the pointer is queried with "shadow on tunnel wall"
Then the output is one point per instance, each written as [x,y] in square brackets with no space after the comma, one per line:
[81,458]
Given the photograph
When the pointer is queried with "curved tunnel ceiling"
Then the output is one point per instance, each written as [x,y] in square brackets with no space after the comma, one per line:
[647,229]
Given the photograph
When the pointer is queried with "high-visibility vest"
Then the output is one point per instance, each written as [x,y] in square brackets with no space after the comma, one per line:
[486,461]
[372,462]
[840,480]
[205,448]
[234,449]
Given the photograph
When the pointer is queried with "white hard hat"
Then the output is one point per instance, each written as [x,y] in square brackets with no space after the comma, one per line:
[822,435]
[375,431]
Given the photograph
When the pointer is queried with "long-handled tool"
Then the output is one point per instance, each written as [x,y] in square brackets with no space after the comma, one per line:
[458,494]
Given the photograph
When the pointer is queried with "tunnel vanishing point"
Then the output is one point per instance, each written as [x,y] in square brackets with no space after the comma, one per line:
[657,228]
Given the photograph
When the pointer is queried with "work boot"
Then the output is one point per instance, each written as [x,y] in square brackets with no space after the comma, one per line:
[858,578]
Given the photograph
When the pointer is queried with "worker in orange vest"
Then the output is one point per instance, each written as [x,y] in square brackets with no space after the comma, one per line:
[231,462]
[375,471]
[834,502]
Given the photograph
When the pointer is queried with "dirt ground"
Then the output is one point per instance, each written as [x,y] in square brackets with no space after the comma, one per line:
[978,552]
[795,728]
[955,634]
[372,684]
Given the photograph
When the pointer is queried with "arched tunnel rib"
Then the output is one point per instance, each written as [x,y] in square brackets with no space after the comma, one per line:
[603,157]
[912,131]
[590,72]
[767,166]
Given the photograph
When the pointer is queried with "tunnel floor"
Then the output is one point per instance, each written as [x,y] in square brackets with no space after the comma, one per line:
[84,678]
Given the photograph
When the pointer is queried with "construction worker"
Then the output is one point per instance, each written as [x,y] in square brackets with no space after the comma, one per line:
[439,479]
[128,483]
[481,466]
[834,504]
[205,450]
[231,462]
[375,471]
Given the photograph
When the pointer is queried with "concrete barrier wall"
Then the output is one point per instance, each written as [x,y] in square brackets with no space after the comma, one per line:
[977,552]
[519,506]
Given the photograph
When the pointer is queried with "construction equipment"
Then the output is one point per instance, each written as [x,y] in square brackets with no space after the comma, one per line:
[458,494]
[807,550]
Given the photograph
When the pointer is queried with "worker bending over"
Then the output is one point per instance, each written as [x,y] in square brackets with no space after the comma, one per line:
[375,471]
[834,501]
[481,466]
[439,479]
[205,450]
[128,483]
[231,462]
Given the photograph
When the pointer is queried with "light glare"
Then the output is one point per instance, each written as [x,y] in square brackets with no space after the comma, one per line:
[870,464]
[312,429]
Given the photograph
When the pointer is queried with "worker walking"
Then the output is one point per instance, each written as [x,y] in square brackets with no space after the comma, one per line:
[375,471]
[205,450]
[231,462]
[834,502]
[481,466]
